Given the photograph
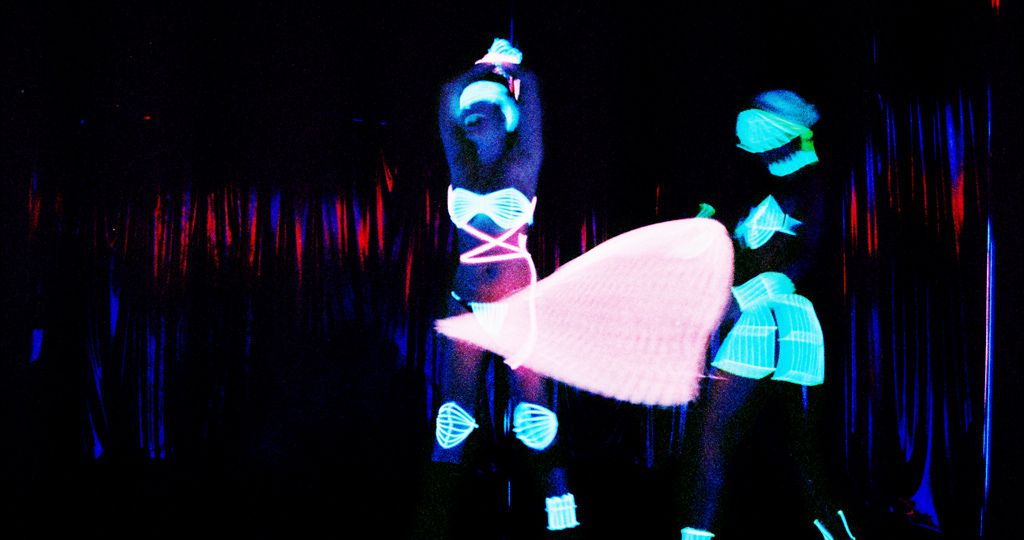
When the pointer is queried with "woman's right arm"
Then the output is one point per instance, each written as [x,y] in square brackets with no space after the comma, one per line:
[456,148]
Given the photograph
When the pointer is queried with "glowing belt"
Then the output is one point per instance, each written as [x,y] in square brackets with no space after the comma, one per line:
[499,249]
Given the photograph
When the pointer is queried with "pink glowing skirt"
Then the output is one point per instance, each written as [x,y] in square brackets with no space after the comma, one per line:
[630,319]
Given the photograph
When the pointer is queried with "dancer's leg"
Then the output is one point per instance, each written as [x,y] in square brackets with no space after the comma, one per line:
[535,423]
[462,373]
[819,503]
[719,424]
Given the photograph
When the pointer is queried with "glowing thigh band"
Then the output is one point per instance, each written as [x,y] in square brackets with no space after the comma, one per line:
[454,424]
[534,425]
[561,512]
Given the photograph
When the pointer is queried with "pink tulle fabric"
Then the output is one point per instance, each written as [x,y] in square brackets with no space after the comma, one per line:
[630,319]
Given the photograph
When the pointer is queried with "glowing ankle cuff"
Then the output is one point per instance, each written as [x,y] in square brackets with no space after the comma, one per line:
[690,533]
[561,512]
[454,424]
[534,425]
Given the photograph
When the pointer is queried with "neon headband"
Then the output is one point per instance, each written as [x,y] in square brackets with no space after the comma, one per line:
[491,92]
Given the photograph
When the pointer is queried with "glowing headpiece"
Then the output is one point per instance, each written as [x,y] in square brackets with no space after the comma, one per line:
[779,117]
[491,92]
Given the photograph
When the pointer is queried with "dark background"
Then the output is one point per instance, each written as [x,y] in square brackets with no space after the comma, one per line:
[313,375]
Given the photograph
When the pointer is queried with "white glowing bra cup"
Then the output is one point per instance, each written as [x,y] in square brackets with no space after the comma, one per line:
[505,207]
[763,221]
[749,348]
[454,424]
[561,512]
[534,425]
[630,319]
[761,131]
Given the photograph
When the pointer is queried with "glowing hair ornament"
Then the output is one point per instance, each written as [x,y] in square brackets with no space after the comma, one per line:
[501,52]
[749,348]
[534,425]
[454,424]
[761,131]
[764,220]
[491,92]
[779,117]
[561,512]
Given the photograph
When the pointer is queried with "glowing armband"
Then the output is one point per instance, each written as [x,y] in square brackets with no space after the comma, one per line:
[801,344]
[491,92]
[764,220]
[690,533]
[706,210]
[534,425]
[762,288]
[505,207]
[561,512]
[749,349]
[454,424]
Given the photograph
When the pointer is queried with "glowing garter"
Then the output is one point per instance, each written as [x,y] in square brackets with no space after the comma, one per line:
[499,249]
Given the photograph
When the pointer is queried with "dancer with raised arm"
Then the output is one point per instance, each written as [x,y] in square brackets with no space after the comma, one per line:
[772,330]
[490,122]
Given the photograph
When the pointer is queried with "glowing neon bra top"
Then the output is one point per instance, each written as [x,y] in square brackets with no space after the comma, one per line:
[506,207]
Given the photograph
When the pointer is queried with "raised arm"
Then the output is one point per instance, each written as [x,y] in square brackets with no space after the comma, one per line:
[457,149]
[522,164]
